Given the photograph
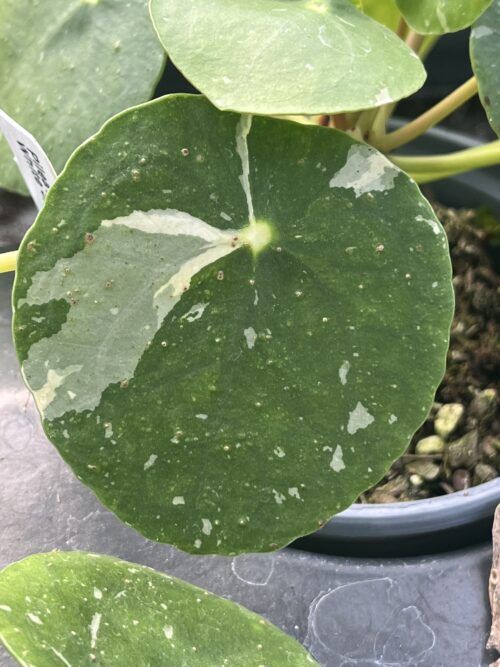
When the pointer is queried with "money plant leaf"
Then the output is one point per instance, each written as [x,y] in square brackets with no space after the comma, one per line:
[293,57]
[231,325]
[66,66]
[436,17]
[78,609]
[485,56]
[383,11]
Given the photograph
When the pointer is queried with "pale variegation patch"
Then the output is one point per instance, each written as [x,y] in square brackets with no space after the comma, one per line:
[71,369]
[365,171]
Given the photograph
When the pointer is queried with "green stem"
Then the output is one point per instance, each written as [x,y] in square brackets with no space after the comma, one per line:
[433,167]
[8,261]
[432,117]
[415,41]
[422,178]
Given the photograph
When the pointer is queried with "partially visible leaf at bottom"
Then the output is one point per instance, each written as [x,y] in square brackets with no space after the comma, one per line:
[79,609]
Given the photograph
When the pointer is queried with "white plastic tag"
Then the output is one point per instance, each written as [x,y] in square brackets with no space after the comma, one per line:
[33,163]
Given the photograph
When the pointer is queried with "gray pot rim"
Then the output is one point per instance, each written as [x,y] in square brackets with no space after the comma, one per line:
[391,520]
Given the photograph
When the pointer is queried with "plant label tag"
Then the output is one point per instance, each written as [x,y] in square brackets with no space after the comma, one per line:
[33,163]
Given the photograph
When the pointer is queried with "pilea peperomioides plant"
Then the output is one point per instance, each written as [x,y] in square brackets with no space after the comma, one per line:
[233,323]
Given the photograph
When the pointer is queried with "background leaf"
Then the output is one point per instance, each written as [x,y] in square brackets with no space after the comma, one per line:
[437,17]
[231,327]
[295,57]
[485,56]
[68,65]
[383,11]
[78,609]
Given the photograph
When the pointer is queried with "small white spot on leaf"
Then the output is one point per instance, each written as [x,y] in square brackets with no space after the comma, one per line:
[150,462]
[359,418]
[250,337]
[34,618]
[337,463]
[343,371]
[278,497]
[94,629]
[195,312]
[433,224]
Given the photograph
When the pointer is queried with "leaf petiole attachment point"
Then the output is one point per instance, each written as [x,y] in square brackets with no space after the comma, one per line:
[258,236]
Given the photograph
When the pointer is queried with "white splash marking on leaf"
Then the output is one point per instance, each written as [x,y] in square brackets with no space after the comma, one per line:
[175,245]
[197,544]
[433,224]
[207,526]
[441,17]
[94,629]
[55,378]
[384,97]
[359,418]
[5,607]
[114,311]
[60,656]
[279,452]
[278,497]
[168,631]
[201,416]
[392,419]
[150,462]
[97,594]
[343,371]
[365,170]
[169,294]
[482,31]
[225,216]
[178,500]
[170,222]
[195,312]
[256,299]
[250,337]
[108,430]
[242,131]
[294,492]
[34,618]
[337,463]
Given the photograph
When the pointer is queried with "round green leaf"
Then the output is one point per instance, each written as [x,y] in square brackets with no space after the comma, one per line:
[78,609]
[485,56]
[68,65]
[231,326]
[383,11]
[436,17]
[293,57]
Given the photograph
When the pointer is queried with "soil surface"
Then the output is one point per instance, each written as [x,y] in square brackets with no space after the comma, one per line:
[458,446]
